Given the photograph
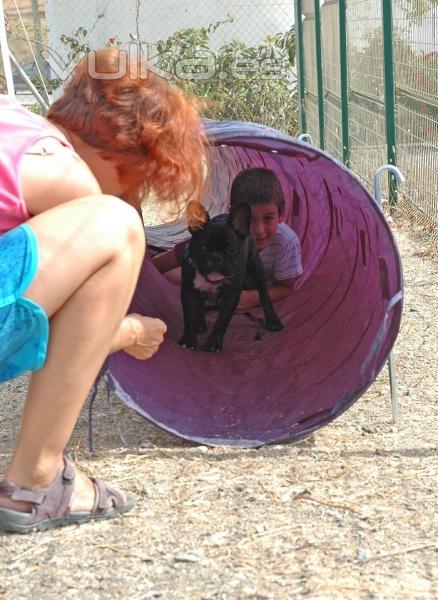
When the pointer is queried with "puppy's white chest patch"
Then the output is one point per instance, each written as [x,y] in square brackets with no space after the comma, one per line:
[201,284]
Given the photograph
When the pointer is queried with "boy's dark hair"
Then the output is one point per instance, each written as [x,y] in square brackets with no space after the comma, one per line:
[257,186]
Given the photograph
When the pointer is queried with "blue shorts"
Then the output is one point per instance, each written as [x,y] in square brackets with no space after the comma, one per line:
[24,326]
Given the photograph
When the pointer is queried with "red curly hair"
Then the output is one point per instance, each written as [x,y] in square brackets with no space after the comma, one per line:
[150,130]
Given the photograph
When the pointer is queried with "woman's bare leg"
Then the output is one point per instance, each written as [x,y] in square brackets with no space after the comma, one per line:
[90,255]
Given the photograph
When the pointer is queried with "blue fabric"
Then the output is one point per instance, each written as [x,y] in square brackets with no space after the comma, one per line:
[24,326]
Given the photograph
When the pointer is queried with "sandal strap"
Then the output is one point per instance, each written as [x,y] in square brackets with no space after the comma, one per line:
[105,497]
[26,495]
[7,488]
[50,502]
[51,505]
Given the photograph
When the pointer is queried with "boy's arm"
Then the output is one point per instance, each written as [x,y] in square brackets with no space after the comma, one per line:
[165,261]
[250,298]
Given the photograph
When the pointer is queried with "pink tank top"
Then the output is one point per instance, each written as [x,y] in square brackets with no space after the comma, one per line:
[19,130]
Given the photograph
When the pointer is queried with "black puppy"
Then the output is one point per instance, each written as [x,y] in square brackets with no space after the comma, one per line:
[220,260]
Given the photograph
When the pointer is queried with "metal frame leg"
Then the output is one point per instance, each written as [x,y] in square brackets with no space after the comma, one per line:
[395,408]
[306,137]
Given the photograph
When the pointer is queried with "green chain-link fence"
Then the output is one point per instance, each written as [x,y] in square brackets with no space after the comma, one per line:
[237,55]
[368,70]
[368,74]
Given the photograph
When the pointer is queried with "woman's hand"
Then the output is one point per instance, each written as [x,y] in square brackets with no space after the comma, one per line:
[146,335]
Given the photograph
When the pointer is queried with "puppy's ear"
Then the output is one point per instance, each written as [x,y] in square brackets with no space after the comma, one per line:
[240,219]
[197,216]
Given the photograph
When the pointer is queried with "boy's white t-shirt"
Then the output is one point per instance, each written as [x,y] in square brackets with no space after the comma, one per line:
[282,256]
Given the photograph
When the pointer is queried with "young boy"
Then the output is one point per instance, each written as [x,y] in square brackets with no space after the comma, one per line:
[278,244]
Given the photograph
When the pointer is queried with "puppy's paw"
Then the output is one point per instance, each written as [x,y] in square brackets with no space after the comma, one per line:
[213,346]
[274,324]
[187,342]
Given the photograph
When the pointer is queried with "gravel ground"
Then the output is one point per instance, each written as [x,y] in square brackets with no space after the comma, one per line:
[349,513]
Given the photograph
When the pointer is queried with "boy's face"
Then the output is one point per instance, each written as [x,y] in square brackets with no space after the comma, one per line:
[264,220]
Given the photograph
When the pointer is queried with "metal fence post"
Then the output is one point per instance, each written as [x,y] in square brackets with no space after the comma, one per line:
[319,73]
[389,96]
[300,64]
[343,62]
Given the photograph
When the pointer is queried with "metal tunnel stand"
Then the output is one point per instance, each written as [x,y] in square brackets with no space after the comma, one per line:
[306,137]
[395,408]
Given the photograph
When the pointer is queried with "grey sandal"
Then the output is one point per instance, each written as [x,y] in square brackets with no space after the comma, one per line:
[51,505]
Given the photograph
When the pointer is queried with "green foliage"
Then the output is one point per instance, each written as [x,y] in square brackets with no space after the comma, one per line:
[78,43]
[249,83]
[35,108]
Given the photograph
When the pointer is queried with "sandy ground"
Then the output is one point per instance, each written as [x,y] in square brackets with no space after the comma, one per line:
[350,513]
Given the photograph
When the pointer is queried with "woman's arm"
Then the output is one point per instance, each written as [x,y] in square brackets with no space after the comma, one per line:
[52,174]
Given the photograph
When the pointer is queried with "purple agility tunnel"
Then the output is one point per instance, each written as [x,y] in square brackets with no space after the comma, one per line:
[339,324]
